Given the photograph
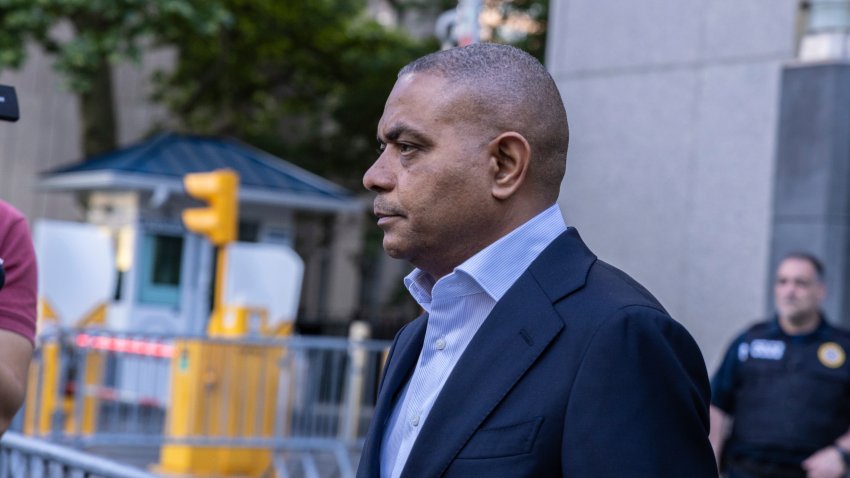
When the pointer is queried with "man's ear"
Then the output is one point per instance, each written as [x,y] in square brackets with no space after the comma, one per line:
[510,155]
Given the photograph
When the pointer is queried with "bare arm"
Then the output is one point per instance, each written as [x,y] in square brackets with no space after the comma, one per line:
[17,311]
[844,441]
[827,462]
[15,355]
[719,429]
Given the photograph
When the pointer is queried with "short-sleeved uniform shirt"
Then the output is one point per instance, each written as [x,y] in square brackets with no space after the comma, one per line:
[19,293]
[789,395]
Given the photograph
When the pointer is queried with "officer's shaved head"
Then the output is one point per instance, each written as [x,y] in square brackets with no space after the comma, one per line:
[810,258]
[799,291]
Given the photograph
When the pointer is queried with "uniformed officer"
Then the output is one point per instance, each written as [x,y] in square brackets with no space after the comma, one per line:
[784,385]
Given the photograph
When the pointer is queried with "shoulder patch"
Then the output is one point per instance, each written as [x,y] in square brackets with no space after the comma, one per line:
[831,355]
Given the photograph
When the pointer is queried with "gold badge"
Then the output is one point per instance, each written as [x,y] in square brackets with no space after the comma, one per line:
[831,355]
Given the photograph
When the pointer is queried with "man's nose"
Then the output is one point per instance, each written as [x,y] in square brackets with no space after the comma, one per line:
[378,177]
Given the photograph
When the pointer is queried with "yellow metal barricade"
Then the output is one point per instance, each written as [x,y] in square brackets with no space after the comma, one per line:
[221,391]
[42,390]
[223,407]
[240,321]
[46,388]
[82,404]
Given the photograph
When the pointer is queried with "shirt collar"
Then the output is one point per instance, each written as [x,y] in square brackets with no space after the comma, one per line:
[816,334]
[488,267]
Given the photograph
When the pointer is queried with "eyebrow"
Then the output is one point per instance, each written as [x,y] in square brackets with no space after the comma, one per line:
[397,130]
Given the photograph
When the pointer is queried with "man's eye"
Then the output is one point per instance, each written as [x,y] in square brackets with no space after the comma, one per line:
[405,148]
[381,148]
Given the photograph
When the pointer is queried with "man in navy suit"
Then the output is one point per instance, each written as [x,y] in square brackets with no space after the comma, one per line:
[534,358]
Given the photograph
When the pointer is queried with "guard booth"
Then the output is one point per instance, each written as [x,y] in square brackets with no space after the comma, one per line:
[148,285]
[164,275]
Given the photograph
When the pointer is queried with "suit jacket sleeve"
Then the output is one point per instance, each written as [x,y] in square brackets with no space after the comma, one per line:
[639,402]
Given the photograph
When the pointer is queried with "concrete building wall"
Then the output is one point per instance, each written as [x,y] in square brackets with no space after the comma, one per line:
[45,136]
[48,133]
[673,108]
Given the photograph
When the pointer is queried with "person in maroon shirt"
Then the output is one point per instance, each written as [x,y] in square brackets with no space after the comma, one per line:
[17,310]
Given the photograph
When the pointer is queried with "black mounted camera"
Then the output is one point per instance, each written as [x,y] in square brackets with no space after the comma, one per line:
[9,104]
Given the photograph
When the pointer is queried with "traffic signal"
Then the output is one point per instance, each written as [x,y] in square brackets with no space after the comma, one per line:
[220,190]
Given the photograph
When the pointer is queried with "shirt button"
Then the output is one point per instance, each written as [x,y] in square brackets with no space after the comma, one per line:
[441,344]
[414,420]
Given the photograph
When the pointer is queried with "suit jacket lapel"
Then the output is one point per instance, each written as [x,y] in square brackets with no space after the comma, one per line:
[399,367]
[516,332]
[403,361]
[507,344]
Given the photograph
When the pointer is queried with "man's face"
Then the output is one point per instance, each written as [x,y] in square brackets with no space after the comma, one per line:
[799,292]
[432,176]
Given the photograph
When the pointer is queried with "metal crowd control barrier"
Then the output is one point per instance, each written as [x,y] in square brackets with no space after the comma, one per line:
[23,457]
[295,406]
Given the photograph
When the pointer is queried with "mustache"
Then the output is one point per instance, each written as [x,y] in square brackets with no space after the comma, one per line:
[382,207]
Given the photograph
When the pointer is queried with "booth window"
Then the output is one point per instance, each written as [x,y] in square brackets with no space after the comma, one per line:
[162,259]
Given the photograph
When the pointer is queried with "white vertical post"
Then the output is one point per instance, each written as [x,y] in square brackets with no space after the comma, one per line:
[357,355]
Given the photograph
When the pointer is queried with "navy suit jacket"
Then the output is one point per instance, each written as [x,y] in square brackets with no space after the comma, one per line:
[577,372]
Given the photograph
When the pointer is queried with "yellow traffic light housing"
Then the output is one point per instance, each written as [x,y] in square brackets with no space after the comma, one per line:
[220,190]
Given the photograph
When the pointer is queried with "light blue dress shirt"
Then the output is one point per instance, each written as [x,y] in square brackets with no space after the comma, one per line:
[457,305]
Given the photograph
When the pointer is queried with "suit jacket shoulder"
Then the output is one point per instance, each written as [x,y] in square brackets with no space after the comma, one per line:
[578,371]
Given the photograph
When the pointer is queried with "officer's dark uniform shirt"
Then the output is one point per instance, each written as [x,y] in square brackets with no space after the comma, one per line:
[789,395]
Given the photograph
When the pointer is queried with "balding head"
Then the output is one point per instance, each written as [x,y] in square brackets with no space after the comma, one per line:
[506,89]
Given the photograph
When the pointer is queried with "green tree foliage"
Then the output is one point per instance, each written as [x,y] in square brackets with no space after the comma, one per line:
[523,24]
[86,37]
[305,80]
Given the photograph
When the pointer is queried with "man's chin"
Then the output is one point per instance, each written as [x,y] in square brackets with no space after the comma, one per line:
[788,313]
[394,250]
[798,317]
